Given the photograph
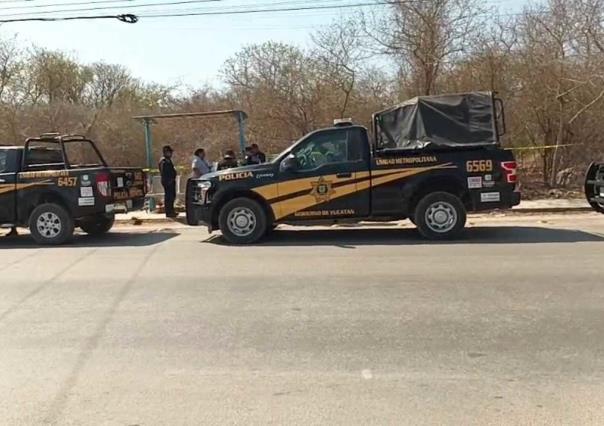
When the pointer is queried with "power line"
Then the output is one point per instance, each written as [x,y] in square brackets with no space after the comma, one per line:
[41,6]
[282,9]
[25,10]
[127,18]
[193,12]
[287,9]
[129,6]
[35,17]
[189,13]
[269,6]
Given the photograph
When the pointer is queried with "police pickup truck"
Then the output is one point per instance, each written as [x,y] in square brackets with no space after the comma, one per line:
[432,159]
[56,183]
[594,187]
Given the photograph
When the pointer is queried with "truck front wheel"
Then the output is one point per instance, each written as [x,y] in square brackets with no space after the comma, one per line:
[242,221]
[50,224]
[97,225]
[440,216]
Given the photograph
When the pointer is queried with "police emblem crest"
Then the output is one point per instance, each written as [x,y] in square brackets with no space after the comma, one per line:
[322,190]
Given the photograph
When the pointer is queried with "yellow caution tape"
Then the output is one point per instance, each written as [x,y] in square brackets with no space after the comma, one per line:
[534,148]
[179,168]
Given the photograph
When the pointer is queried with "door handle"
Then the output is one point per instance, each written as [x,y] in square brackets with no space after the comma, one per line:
[344,175]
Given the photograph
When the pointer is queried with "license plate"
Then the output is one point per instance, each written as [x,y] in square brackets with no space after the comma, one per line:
[120,182]
[490,197]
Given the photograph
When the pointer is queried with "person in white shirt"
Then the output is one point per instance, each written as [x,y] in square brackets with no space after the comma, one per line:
[200,166]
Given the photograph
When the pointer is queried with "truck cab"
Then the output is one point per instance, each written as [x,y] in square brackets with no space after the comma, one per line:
[340,173]
[9,160]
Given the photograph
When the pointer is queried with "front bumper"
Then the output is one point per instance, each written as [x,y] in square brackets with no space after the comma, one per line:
[198,205]
[199,214]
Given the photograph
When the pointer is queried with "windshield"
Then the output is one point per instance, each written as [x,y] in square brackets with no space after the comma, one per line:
[321,149]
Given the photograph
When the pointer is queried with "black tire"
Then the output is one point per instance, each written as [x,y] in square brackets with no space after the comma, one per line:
[97,225]
[440,216]
[252,225]
[51,224]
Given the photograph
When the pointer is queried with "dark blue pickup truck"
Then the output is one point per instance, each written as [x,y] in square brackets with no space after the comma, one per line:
[54,184]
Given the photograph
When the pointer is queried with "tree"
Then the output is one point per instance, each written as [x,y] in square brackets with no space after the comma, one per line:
[276,83]
[559,67]
[56,77]
[107,83]
[339,57]
[425,37]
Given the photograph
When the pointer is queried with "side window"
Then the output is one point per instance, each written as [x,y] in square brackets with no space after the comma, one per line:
[356,144]
[334,146]
[4,161]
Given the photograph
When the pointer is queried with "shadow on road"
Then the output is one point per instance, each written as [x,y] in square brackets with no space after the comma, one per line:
[348,238]
[112,239]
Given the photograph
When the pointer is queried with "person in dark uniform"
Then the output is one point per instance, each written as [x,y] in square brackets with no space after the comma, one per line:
[168,180]
[258,156]
[229,160]
[247,160]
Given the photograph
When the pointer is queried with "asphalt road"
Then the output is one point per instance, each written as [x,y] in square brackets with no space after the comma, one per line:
[335,326]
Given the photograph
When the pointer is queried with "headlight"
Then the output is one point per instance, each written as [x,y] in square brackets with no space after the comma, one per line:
[201,191]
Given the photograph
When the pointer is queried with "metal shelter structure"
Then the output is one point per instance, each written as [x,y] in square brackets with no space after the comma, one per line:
[149,120]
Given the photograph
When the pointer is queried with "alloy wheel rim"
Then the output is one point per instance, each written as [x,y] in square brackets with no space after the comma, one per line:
[441,217]
[241,221]
[49,225]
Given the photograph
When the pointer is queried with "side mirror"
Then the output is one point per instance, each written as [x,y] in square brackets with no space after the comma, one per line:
[289,164]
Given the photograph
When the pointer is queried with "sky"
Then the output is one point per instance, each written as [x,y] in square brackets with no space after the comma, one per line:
[185,51]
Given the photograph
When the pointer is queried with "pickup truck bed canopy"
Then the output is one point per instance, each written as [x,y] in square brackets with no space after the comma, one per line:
[456,120]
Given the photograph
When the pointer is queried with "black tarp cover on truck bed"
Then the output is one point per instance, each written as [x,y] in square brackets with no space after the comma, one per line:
[456,120]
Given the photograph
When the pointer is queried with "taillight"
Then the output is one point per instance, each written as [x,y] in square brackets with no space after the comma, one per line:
[510,170]
[103,184]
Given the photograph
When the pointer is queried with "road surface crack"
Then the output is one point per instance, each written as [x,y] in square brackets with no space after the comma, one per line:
[43,285]
[62,396]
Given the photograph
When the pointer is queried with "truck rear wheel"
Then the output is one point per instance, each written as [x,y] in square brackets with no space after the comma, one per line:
[97,225]
[440,216]
[242,221]
[51,224]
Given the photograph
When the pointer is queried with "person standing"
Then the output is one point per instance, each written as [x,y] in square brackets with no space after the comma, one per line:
[200,166]
[168,180]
